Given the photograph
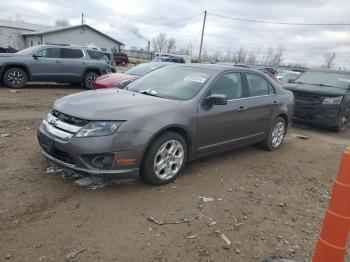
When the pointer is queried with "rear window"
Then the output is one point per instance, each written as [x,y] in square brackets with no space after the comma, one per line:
[71,53]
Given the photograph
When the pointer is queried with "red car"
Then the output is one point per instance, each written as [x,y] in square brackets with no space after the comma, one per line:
[121,59]
[121,80]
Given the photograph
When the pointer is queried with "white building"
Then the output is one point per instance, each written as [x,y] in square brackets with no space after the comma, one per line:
[21,35]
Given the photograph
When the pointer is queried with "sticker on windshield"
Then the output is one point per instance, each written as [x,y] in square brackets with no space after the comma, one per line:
[197,79]
[344,80]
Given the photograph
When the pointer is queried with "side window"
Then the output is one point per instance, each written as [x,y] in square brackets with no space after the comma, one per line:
[49,53]
[229,84]
[258,85]
[72,53]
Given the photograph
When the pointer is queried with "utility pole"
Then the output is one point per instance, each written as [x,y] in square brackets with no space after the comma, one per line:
[82,18]
[200,47]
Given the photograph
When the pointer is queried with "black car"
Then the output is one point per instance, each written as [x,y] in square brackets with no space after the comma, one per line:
[322,97]
[169,58]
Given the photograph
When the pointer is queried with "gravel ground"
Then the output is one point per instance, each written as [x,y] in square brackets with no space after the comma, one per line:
[267,204]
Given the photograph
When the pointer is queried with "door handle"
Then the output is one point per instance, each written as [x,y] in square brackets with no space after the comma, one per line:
[57,61]
[242,108]
[275,102]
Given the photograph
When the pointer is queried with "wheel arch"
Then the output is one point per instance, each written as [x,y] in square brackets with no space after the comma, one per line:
[24,67]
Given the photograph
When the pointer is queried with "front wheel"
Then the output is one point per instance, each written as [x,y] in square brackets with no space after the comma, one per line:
[276,134]
[89,79]
[15,78]
[165,159]
[343,122]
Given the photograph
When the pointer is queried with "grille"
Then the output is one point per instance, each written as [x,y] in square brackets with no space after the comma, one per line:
[70,119]
[306,105]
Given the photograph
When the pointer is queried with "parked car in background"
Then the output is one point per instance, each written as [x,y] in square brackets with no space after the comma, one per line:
[287,77]
[52,63]
[169,58]
[322,97]
[121,80]
[165,118]
[121,59]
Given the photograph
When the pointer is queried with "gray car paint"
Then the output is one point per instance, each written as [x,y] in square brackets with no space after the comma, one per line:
[208,130]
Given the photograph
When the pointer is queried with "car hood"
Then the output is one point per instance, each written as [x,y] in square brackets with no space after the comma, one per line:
[112,104]
[321,90]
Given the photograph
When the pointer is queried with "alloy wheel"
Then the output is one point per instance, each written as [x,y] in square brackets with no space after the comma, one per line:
[169,159]
[277,134]
[90,79]
[16,78]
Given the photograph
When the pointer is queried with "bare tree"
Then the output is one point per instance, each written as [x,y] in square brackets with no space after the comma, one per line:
[251,59]
[277,56]
[241,55]
[159,43]
[329,59]
[62,22]
[170,45]
[228,56]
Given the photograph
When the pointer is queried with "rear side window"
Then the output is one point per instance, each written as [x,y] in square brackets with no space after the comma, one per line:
[71,53]
[97,55]
[229,84]
[49,53]
[258,85]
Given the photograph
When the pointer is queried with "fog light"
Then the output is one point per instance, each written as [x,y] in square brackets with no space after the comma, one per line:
[103,161]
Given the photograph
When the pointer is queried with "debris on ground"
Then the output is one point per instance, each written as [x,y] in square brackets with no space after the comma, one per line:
[5,135]
[206,199]
[227,241]
[184,220]
[192,236]
[237,223]
[8,256]
[14,91]
[212,223]
[3,125]
[295,135]
[73,254]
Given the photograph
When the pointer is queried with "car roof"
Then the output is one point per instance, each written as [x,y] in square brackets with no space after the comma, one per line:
[217,67]
[329,71]
[69,46]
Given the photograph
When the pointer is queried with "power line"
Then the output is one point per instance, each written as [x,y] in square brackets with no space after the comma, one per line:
[173,22]
[273,22]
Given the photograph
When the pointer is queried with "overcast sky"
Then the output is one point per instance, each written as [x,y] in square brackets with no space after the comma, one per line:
[134,21]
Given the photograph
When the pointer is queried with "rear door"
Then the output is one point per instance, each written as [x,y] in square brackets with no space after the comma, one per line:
[73,64]
[221,127]
[259,105]
[47,65]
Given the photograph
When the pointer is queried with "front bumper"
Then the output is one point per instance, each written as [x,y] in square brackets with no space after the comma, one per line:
[71,152]
[324,115]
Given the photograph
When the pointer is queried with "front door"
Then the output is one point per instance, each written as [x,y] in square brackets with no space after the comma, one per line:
[46,65]
[220,127]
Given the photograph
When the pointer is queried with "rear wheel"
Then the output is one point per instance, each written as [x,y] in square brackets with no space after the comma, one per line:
[165,159]
[89,79]
[343,122]
[123,63]
[276,134]
[15,78]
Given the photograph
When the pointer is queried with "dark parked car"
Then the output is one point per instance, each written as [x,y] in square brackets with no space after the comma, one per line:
[322,97]
[165,118]
[121,59]
[121,80]
[169,58]
[53,63]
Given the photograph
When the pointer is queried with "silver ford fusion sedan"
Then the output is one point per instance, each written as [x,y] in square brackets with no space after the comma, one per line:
[164,119]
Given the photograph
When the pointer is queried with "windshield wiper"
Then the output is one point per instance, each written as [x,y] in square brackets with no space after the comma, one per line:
[149,92]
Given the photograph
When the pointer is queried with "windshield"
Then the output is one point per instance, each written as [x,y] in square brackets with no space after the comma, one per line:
[143,69]
[180,83]
[28,50]
[332,79]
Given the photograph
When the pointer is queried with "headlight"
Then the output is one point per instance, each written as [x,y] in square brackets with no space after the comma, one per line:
[333,100]
[99,128]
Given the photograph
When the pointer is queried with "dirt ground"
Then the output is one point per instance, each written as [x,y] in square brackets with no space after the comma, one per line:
[267,204]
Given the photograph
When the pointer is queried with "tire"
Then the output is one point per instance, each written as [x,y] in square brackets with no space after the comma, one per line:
[15,78]
[89,78]
[343,123]
[161,163]
[276,134]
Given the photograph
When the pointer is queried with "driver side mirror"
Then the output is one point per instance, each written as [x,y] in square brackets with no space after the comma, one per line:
[36,56]
[216,99]
[290,80]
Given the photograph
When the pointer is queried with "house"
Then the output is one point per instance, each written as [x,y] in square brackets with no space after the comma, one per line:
[21,35]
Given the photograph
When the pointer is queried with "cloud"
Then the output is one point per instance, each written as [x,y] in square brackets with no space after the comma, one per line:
[134,21]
